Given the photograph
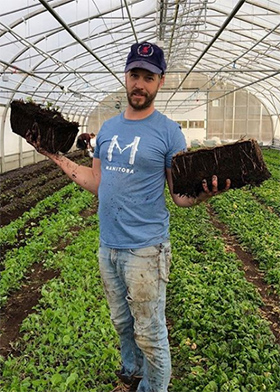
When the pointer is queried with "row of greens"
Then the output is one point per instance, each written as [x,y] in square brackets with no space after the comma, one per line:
[10,232]
[69,343]
[42,238]
[24,189]
[219,341]
[269,192]
[272,158]
[255,226]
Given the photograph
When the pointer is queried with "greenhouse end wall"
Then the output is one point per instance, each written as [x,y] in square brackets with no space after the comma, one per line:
[239,115]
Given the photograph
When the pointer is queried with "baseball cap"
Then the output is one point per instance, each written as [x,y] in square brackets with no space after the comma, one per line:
[146,56]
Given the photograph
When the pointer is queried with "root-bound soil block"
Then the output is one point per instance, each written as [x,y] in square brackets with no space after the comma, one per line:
[55,133]
[242,162]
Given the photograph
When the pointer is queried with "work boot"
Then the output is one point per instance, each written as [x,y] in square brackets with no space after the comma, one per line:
[134,384]
[131,382]
[122,387]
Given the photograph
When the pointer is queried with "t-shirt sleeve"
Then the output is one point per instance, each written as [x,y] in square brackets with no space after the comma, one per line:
[177,143]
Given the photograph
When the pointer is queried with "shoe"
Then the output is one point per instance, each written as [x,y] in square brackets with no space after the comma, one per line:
[134,384]
[122,387]
[133,381]
[131,386]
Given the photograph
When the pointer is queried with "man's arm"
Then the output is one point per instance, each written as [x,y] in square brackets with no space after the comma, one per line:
[184,201]
[87,177]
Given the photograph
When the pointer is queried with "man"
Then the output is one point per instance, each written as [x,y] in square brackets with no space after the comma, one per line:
[86,142]
[92,145]
[132,161]
[83,141]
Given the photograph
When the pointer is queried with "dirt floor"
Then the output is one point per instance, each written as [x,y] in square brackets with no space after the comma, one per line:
[19,192]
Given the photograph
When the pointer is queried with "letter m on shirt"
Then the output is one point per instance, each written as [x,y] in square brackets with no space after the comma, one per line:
[115,145]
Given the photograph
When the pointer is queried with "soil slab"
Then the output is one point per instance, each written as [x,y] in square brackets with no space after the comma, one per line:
[242,162]
[55,133]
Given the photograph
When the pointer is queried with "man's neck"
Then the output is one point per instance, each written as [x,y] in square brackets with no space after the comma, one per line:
[133,114]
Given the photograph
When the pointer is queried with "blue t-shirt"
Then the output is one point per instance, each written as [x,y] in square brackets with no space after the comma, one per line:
[134,155]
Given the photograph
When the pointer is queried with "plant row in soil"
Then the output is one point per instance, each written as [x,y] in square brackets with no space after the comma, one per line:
[269,192]
[256,228]
[14,178]
[42,240]
[18,232]
[272,157]
[269,195]
[23,190]
[219,341]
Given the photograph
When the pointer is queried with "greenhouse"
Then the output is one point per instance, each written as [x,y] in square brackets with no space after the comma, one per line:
[156,83]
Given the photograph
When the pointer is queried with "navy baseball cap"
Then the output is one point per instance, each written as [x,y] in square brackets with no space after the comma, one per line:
[146,56]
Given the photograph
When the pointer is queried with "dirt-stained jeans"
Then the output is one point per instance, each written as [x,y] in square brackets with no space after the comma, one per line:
[135,284]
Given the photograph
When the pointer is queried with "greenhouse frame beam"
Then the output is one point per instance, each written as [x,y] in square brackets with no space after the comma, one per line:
[131,21]
[207,70]
[71,32]
[77,72]
[222,28]
[259,5]
[173,29]
[241,87]
[39,50]
[252,47]
[32,14]
[76,23]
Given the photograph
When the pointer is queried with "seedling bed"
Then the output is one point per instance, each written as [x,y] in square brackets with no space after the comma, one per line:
[242,162]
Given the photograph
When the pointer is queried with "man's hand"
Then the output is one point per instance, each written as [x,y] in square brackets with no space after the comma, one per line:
[87,177]
[206,194]
[189,201]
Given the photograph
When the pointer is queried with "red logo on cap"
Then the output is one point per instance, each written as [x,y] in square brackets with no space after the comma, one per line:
[145,50]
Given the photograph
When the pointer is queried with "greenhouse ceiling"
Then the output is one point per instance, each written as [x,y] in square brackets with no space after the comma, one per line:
[72,52]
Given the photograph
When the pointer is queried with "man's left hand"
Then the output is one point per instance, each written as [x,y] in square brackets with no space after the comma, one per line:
[206,194]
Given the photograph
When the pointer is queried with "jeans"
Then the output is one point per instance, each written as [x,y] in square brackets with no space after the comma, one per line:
[135,285]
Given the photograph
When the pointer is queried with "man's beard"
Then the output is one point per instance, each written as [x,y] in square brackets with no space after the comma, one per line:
[136,105]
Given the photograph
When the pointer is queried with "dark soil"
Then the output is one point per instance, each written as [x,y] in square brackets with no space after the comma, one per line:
[242,162]
[48,125]
[22,189]
[21,304]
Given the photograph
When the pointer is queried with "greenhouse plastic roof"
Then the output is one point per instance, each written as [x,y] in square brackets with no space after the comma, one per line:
[72,52]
